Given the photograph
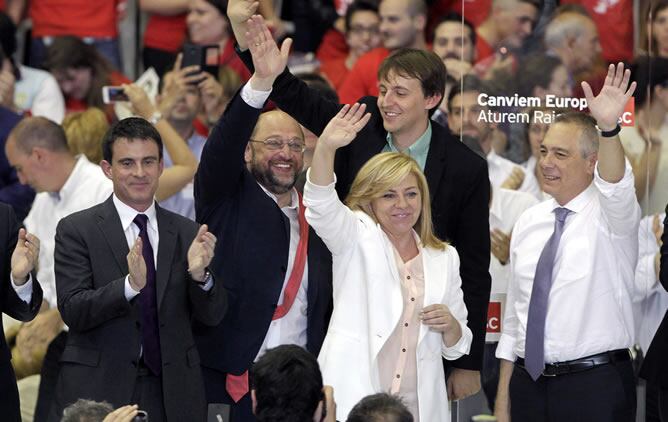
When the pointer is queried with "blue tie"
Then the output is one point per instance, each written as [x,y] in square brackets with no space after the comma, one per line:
[534,351]
[149,304]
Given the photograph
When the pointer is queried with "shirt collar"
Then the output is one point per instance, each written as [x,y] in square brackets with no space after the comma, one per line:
[127,214]
[419,147]
[73,180]
[578,203]
[294,198]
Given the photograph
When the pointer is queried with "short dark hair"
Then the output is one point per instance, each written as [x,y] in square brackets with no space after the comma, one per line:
[359,6]
[537,71]
[86,411]
[457,18]
[288,385]
[130,128]
[470,83]
[381,407]
[320,85]
[422,65]
[39,132]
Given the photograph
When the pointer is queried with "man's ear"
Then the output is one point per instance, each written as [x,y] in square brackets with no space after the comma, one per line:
[253,400]
[432,101]
[106,168]
[248,153]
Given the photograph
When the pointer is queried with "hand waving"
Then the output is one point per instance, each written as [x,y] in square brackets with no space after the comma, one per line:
[608,106]
[343,128]
[268,60]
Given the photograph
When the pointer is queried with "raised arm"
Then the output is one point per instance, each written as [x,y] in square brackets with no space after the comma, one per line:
[176,177]
[238,12]
[607,107]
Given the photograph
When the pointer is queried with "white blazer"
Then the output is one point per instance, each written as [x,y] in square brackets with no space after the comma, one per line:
[368,305]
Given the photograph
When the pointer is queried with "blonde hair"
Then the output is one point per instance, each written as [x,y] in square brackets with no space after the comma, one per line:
[84,131]
[383,172]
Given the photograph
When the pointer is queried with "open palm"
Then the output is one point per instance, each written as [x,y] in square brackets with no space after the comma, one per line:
[268,60]
[343,128]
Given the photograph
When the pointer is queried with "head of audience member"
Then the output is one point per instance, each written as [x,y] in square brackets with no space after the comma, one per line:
[84,131]
[402,23]
[411,85]
[86,411]
[79,69]
[573,37]
[454,38]
[319,84]
[8,43]
[287,386]
[275,153]
[393,191]
[651,76]
[654,35]
[568,156]
[362,23]
[186,105]
[544,75]
[512,21]
[132,160]
[207,22]
[37,149]
[381,407]
[464,112]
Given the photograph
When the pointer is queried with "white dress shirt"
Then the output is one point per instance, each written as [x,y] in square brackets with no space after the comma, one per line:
[86,186]
[590,305]
[291,329]
[651,300]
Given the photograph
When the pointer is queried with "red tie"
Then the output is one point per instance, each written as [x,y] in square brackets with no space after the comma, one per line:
[237,385]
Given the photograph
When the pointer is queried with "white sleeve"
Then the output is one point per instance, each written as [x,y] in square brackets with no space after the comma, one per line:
[49,101]
[24,292]
[619,202]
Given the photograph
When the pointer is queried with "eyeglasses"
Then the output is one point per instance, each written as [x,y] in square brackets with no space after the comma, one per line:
[361,30]
[277,144]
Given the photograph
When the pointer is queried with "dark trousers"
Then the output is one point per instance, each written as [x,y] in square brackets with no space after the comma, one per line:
[490,373]
[49,379]
[148,394]
[605,393]
[663,405]
[214,382]
[9,394]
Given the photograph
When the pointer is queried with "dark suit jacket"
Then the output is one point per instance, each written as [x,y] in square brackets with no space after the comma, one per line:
[100,358]
[252,251]
[13,306]
[458,184]
[655,365]
[11,191]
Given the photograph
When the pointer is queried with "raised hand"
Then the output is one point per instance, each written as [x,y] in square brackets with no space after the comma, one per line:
[268,60]
[239,11]
[175,84]
[500,245]
[24,256]
[343,128]
[608,106]
[141,104]
[200,253]
[136,266]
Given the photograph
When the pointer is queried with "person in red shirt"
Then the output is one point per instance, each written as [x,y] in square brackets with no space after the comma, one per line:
[402,24]
[165,32]
[207,24]
[81,73]
[362,34]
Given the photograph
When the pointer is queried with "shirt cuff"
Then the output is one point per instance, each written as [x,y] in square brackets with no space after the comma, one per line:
[207,286]
[253,97]
[461,348]
[608,189]
[130,293]
[504,350]
[24,292]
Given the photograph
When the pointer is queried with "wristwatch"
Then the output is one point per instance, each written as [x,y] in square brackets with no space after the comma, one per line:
[609,133]
[206,279]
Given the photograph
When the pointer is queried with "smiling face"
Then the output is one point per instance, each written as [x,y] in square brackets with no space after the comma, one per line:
[398,209]
[566,173]
[403,106]
[134,170]
[276,170]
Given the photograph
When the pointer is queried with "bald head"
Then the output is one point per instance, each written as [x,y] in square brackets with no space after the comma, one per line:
[568,34]
[39,132]
[275,120]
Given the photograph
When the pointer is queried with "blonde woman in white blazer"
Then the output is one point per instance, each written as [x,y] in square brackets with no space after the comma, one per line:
[388,332]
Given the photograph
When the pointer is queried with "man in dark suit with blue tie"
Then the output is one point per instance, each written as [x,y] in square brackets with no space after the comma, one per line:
[20,298]
[130,276]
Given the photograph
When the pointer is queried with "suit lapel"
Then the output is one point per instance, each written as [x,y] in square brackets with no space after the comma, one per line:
[436,281]
[166,246]
[110,225]
[435,164]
